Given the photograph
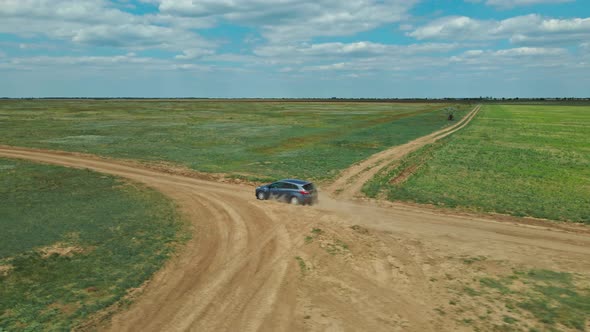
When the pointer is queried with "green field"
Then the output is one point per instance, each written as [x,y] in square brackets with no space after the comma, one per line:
[74,241]
[519,300]
[254,139]
[518,160]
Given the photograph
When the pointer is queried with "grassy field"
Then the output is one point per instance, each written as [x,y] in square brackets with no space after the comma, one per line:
[519,300]
[519,160]
[73,242]
[254,139]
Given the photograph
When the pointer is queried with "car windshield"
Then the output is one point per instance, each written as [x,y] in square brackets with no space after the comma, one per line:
[309,187]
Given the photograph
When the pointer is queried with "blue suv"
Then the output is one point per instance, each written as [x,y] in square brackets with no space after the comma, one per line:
[290,190]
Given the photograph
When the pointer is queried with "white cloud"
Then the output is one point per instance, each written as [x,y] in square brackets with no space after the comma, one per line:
[36,46]
[475,62]
[95,23]
[406,27]
[380,65]
[180,22]
[473,53]
[517,3]
[281,43]
[88,11]
[453,27]
[351,50]
[329,67]
[290,20]
[512,58]
[521,30]
[99,64]
[531,51]
[130,63]
[125,35]
[194,53]
[92,61]
[358,57]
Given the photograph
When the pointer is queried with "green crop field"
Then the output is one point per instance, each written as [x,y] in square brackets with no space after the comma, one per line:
[74,241]
[514,159]
[253,139]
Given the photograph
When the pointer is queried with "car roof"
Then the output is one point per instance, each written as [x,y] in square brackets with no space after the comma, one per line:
[295,181]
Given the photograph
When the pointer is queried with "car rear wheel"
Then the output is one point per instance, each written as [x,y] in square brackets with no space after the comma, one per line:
[294,200]
[261,195]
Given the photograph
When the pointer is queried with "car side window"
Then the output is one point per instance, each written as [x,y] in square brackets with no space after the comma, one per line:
[283,185]
[309,187]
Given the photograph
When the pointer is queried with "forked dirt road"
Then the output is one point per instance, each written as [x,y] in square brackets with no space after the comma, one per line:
[350,181]
[257,265]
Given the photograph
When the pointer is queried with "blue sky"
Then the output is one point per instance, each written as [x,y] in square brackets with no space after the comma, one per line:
[294,48]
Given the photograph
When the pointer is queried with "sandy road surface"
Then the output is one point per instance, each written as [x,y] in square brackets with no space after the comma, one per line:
[256,265]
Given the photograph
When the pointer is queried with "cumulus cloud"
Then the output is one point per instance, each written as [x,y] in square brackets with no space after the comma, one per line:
[80,11]
[194,53]
[531,51]
[290,39]
[529,30]
[515,58]
[380,65]
[100,64]
[96,23]
[517,3]
[289,20]
[82,60]
[456,27]
[125,35]
[351,50]
[356,58]
[477,59]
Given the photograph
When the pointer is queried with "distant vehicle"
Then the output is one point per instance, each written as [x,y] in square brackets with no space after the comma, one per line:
[297,192]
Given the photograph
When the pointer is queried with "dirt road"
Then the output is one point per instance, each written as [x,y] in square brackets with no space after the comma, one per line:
[349,183]
[261,265]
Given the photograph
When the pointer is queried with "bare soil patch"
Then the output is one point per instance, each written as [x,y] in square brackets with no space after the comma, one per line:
[60,249]
[5,269]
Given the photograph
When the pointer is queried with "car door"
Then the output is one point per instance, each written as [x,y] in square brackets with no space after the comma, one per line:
[290,190]
[275,190]
[283,191]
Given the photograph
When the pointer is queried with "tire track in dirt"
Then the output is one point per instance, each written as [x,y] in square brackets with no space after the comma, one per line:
[350,181]
[227,277]
[238,273]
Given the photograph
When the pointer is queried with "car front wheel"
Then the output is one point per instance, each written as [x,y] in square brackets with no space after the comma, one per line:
[261,195]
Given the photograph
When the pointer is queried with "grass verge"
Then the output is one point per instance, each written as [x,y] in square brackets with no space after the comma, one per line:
[552,300]
[75,242]
[493,296]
